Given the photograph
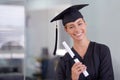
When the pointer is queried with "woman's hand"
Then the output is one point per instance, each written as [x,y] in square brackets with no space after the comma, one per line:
[76,70]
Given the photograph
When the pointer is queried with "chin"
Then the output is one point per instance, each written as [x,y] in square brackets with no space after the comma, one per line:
[80,38]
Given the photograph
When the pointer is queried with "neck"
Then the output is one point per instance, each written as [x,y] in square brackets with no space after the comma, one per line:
[81,47]
[82,43]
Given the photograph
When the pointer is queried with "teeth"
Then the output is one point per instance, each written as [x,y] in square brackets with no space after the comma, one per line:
[78,34]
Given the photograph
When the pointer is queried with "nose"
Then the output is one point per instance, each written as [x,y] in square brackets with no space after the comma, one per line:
[77,28]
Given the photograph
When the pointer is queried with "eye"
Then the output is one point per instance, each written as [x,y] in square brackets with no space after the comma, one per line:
[80,24]
[70,27]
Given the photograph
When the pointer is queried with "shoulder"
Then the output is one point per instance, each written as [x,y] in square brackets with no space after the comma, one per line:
[100,46]
[65,58]
[103,49]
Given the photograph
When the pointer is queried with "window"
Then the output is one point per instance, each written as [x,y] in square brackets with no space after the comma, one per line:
[12,23]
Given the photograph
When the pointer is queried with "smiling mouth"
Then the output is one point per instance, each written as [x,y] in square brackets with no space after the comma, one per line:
[78,34]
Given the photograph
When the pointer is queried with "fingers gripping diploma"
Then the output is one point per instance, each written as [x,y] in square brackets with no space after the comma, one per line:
[76,70]
[76,59]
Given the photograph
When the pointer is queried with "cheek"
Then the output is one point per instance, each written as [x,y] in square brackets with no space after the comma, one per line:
[84,28]
[85,31]
[68,31]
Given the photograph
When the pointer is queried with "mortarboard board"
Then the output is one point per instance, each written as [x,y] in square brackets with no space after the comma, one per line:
[68,15]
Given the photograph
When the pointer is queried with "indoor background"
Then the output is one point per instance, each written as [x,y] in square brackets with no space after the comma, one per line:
[102,17]
[36,35]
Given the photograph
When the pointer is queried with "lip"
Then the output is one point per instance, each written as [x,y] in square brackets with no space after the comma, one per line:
[79,34]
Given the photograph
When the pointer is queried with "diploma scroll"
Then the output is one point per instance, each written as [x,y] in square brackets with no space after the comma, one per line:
[72,55]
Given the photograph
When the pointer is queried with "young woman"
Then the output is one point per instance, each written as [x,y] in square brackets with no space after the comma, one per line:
[94,57]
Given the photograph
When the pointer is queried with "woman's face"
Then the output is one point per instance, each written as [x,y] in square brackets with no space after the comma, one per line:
[76,29]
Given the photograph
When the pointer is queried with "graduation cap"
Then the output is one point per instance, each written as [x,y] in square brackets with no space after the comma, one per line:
[68,15]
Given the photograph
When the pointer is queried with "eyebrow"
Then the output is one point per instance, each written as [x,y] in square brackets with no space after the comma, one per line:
[70,25]
[80,20]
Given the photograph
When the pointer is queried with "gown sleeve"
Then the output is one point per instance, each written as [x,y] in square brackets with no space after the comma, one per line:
[63,71]
[106,68]
[60,70]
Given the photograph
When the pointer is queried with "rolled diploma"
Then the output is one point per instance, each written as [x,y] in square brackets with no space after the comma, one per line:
[72,55]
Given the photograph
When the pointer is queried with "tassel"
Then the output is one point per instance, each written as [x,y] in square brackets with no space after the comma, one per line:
[56,39]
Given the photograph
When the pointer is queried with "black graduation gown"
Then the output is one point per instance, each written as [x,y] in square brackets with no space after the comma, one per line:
[98,62]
